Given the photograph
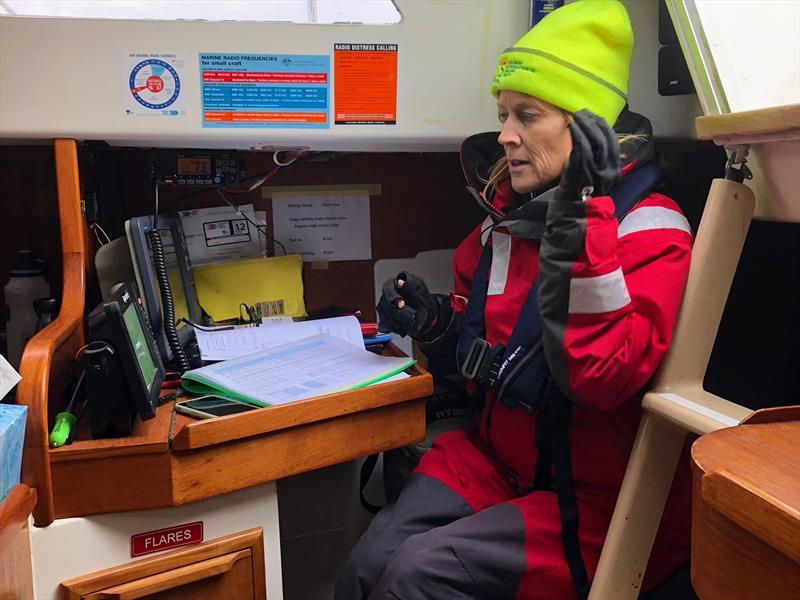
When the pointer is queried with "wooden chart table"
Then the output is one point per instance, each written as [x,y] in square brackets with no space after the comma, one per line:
[174,459]
[746,509]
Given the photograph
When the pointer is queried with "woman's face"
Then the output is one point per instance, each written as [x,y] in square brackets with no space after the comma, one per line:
[536,140]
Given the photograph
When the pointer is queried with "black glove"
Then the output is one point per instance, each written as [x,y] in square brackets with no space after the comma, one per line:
[419,313]
[594,161]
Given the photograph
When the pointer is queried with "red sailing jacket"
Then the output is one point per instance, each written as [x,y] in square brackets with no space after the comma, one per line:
[609,297]
[623,294]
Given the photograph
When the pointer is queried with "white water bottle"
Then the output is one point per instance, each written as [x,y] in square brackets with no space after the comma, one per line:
[25,285]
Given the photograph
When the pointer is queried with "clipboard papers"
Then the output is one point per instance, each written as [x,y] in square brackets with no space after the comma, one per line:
[314,366]
[234,343]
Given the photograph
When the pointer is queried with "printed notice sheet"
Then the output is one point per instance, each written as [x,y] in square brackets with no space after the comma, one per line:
[226,344]
[321,226]
[265,90]
[221,233]
[365,84]
[321,364]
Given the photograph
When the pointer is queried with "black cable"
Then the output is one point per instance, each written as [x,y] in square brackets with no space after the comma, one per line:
[71,403]
[302,157]
[71,408]
[253,223]
[180,199]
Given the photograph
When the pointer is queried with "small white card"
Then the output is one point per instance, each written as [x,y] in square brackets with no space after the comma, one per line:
[220,234]
[8,377]
[322,226]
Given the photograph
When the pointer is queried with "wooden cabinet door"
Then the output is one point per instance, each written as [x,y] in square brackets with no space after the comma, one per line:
[228,567]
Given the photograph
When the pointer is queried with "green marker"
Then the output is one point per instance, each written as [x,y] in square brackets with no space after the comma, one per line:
[62,429]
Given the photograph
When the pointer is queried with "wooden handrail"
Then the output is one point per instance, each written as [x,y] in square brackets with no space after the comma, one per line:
[45,353]
[169,580]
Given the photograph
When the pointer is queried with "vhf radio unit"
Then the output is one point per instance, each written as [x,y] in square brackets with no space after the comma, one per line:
[186,167]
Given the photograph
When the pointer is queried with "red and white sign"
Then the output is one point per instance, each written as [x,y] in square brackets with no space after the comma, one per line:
[164,539]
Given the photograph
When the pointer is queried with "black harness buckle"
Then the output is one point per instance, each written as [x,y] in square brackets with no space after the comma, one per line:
[474,359]
[482,362]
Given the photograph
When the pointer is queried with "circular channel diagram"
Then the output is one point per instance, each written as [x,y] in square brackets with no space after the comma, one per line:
[154,84]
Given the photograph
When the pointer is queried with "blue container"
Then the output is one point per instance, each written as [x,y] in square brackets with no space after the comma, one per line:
[12,438]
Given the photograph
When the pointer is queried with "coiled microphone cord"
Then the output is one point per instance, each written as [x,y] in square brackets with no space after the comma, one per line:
[171,333]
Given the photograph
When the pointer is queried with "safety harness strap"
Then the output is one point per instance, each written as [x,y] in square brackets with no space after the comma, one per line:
[553,451]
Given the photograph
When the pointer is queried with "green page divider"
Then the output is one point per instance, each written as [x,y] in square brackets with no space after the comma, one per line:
[197,384]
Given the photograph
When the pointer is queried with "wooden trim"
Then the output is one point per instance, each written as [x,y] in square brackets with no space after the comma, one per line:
[373,189]
[111,484]
[77,587]
[49,350]
[773,415]
[729,562]
[749,123]
[191,573]
[198,434]
[148,437]
[208,472]
[746,511]
[136,481]
[15,509]
[760,513]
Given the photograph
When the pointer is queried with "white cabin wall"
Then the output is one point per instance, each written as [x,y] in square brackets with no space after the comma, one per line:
[63,77]
[756,50]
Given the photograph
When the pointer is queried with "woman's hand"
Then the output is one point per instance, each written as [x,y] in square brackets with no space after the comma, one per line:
[594,161]
[406,307]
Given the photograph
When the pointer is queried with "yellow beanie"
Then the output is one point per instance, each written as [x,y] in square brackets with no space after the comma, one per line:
[576,57]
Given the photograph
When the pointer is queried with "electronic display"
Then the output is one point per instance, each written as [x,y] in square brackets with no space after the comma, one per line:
[128,380]
[212,406]
[141,348]
[189,167]
[195,165]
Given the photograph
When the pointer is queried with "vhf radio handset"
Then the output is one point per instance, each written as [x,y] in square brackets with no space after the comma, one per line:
[182,168]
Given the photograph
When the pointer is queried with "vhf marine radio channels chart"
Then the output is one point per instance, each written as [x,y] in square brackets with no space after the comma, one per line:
[153,84]
[265,90]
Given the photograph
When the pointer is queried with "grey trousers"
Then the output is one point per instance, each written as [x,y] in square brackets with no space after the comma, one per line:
[429,545]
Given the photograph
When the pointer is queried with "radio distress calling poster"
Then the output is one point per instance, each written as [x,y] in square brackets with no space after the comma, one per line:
[265,90]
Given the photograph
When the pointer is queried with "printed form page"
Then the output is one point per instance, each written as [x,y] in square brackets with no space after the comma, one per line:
[303,369]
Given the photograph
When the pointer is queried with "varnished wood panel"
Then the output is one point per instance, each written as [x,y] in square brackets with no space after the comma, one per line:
[750,475]
[16,575]
[746,510]
[773,415]
[114,484]
[226,576]
[755,510]
[46,357]
[113,480]
[15,509]
[203,473]
[16,571]
[729,563]
[251,540]
[147,437]
[749,122]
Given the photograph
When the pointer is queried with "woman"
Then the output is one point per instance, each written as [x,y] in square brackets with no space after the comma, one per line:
[557,307]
